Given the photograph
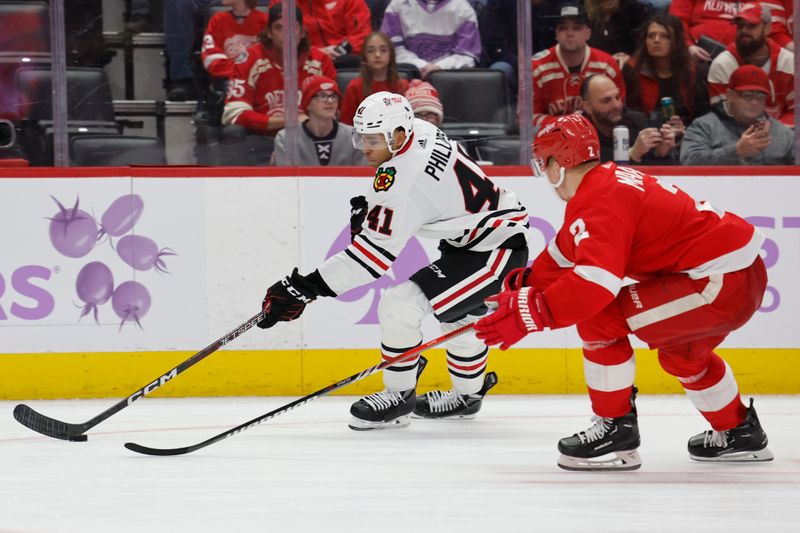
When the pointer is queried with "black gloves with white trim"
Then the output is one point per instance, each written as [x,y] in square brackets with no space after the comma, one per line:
[287,299]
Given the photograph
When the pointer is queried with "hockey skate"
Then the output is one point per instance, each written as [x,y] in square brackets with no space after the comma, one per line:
[609,444]
[451,405]
[744,443]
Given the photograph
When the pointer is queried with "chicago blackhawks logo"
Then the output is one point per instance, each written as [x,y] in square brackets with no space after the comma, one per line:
[384,179]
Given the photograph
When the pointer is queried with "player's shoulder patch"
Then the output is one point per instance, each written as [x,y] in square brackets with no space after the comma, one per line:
[384,178]
[541,55]
[242,57]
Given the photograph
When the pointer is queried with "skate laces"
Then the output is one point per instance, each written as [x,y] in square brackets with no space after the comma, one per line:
[715,439]
[443,401]
[384,399]
[597,431]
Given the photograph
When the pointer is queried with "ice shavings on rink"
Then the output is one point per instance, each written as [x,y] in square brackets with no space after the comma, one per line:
[306,471]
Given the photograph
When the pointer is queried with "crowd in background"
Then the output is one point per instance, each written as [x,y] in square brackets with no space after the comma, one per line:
[673,73]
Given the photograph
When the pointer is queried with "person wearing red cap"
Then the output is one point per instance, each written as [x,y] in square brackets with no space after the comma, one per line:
[425,103]
[737,131]
[255,94]
[753,47]
[323,140]
[697,275]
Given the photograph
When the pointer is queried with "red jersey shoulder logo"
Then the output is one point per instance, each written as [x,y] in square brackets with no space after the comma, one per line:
[384,179]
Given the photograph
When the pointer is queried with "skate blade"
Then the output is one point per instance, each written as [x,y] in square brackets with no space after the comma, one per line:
[622,460]
[357,424]
[749,456]
[456,417]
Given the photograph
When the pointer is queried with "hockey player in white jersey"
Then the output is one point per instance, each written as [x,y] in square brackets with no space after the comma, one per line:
[424,185]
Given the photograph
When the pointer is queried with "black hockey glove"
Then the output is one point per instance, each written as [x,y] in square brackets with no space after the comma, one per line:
[358,213]
[287,299]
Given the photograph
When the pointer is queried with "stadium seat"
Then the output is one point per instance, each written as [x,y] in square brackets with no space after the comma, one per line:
[116,151]
[500,151]
[476,102]
[90,109]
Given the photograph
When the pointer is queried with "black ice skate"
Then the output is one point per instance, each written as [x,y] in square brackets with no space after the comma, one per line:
[609,444]
[744,443]
[382,410]
[450,404]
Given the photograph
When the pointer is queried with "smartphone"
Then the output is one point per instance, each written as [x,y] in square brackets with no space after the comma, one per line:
[759,124]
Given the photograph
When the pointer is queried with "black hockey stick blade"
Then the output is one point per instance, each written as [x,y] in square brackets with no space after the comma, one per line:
[57,429]
[147,450]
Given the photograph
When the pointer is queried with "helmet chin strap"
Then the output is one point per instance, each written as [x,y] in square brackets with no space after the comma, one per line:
[562,173]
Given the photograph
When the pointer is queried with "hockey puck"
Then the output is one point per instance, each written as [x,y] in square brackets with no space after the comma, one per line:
[77,438]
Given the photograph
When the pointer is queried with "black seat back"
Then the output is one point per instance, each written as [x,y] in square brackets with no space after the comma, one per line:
[473,96]
[88,95]
[116,151]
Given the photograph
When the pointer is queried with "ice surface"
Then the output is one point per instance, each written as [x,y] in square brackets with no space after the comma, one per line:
[306,471]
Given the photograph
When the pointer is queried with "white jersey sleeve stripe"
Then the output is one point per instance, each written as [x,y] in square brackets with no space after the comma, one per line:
[600,276]
[557,256]
[374,248]
[364,265]
[371,259]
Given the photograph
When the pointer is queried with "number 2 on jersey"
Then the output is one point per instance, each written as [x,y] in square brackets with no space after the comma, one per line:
[374,219]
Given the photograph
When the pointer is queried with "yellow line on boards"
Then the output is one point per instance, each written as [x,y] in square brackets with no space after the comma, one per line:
[300,372]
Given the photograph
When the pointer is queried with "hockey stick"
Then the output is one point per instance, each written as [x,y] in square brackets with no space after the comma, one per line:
[75,432]
[305,399]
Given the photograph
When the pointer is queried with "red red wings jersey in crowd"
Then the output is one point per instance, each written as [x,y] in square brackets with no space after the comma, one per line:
[227,37]
[780,103]
[256,87]
[556,91]
[625,224]
[329,22]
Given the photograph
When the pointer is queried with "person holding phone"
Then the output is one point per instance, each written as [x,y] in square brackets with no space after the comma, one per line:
[738,130]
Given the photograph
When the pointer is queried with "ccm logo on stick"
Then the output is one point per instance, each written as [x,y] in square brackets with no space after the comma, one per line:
[147,389]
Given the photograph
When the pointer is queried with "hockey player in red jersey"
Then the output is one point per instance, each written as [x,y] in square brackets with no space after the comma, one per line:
[255,94]
[424,185]
[696,276]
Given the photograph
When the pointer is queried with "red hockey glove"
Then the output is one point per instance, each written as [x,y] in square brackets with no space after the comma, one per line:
[518,313]
[287,299]
[515,279]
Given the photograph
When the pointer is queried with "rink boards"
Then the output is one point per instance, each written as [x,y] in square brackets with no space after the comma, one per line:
[189,253]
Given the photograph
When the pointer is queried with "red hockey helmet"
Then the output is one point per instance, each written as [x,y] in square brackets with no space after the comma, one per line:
[571,139]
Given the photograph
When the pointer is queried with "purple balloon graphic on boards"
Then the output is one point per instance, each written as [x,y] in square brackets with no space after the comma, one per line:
[121,215]
[131,302]
[94,285]
[142,253]
[411,259]
[73,232]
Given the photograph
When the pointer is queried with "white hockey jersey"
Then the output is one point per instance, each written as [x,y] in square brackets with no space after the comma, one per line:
[431,188]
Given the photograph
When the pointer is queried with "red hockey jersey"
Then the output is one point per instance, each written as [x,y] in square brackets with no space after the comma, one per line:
[625,224]
[226,38]
[329,22]
[556,91]
[256,88]
[780,102]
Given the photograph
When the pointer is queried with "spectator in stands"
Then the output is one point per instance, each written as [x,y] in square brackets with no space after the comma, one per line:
[433,35]
[602,105]
[737,130]
[615,25]
[228,34]
[255,95]
[498,28]
[337,28]
[378,73]
[181,17]
[753,47]
[559,71]
[661,68]
[782,12]
[703,18]
[323,140]
[424,100]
